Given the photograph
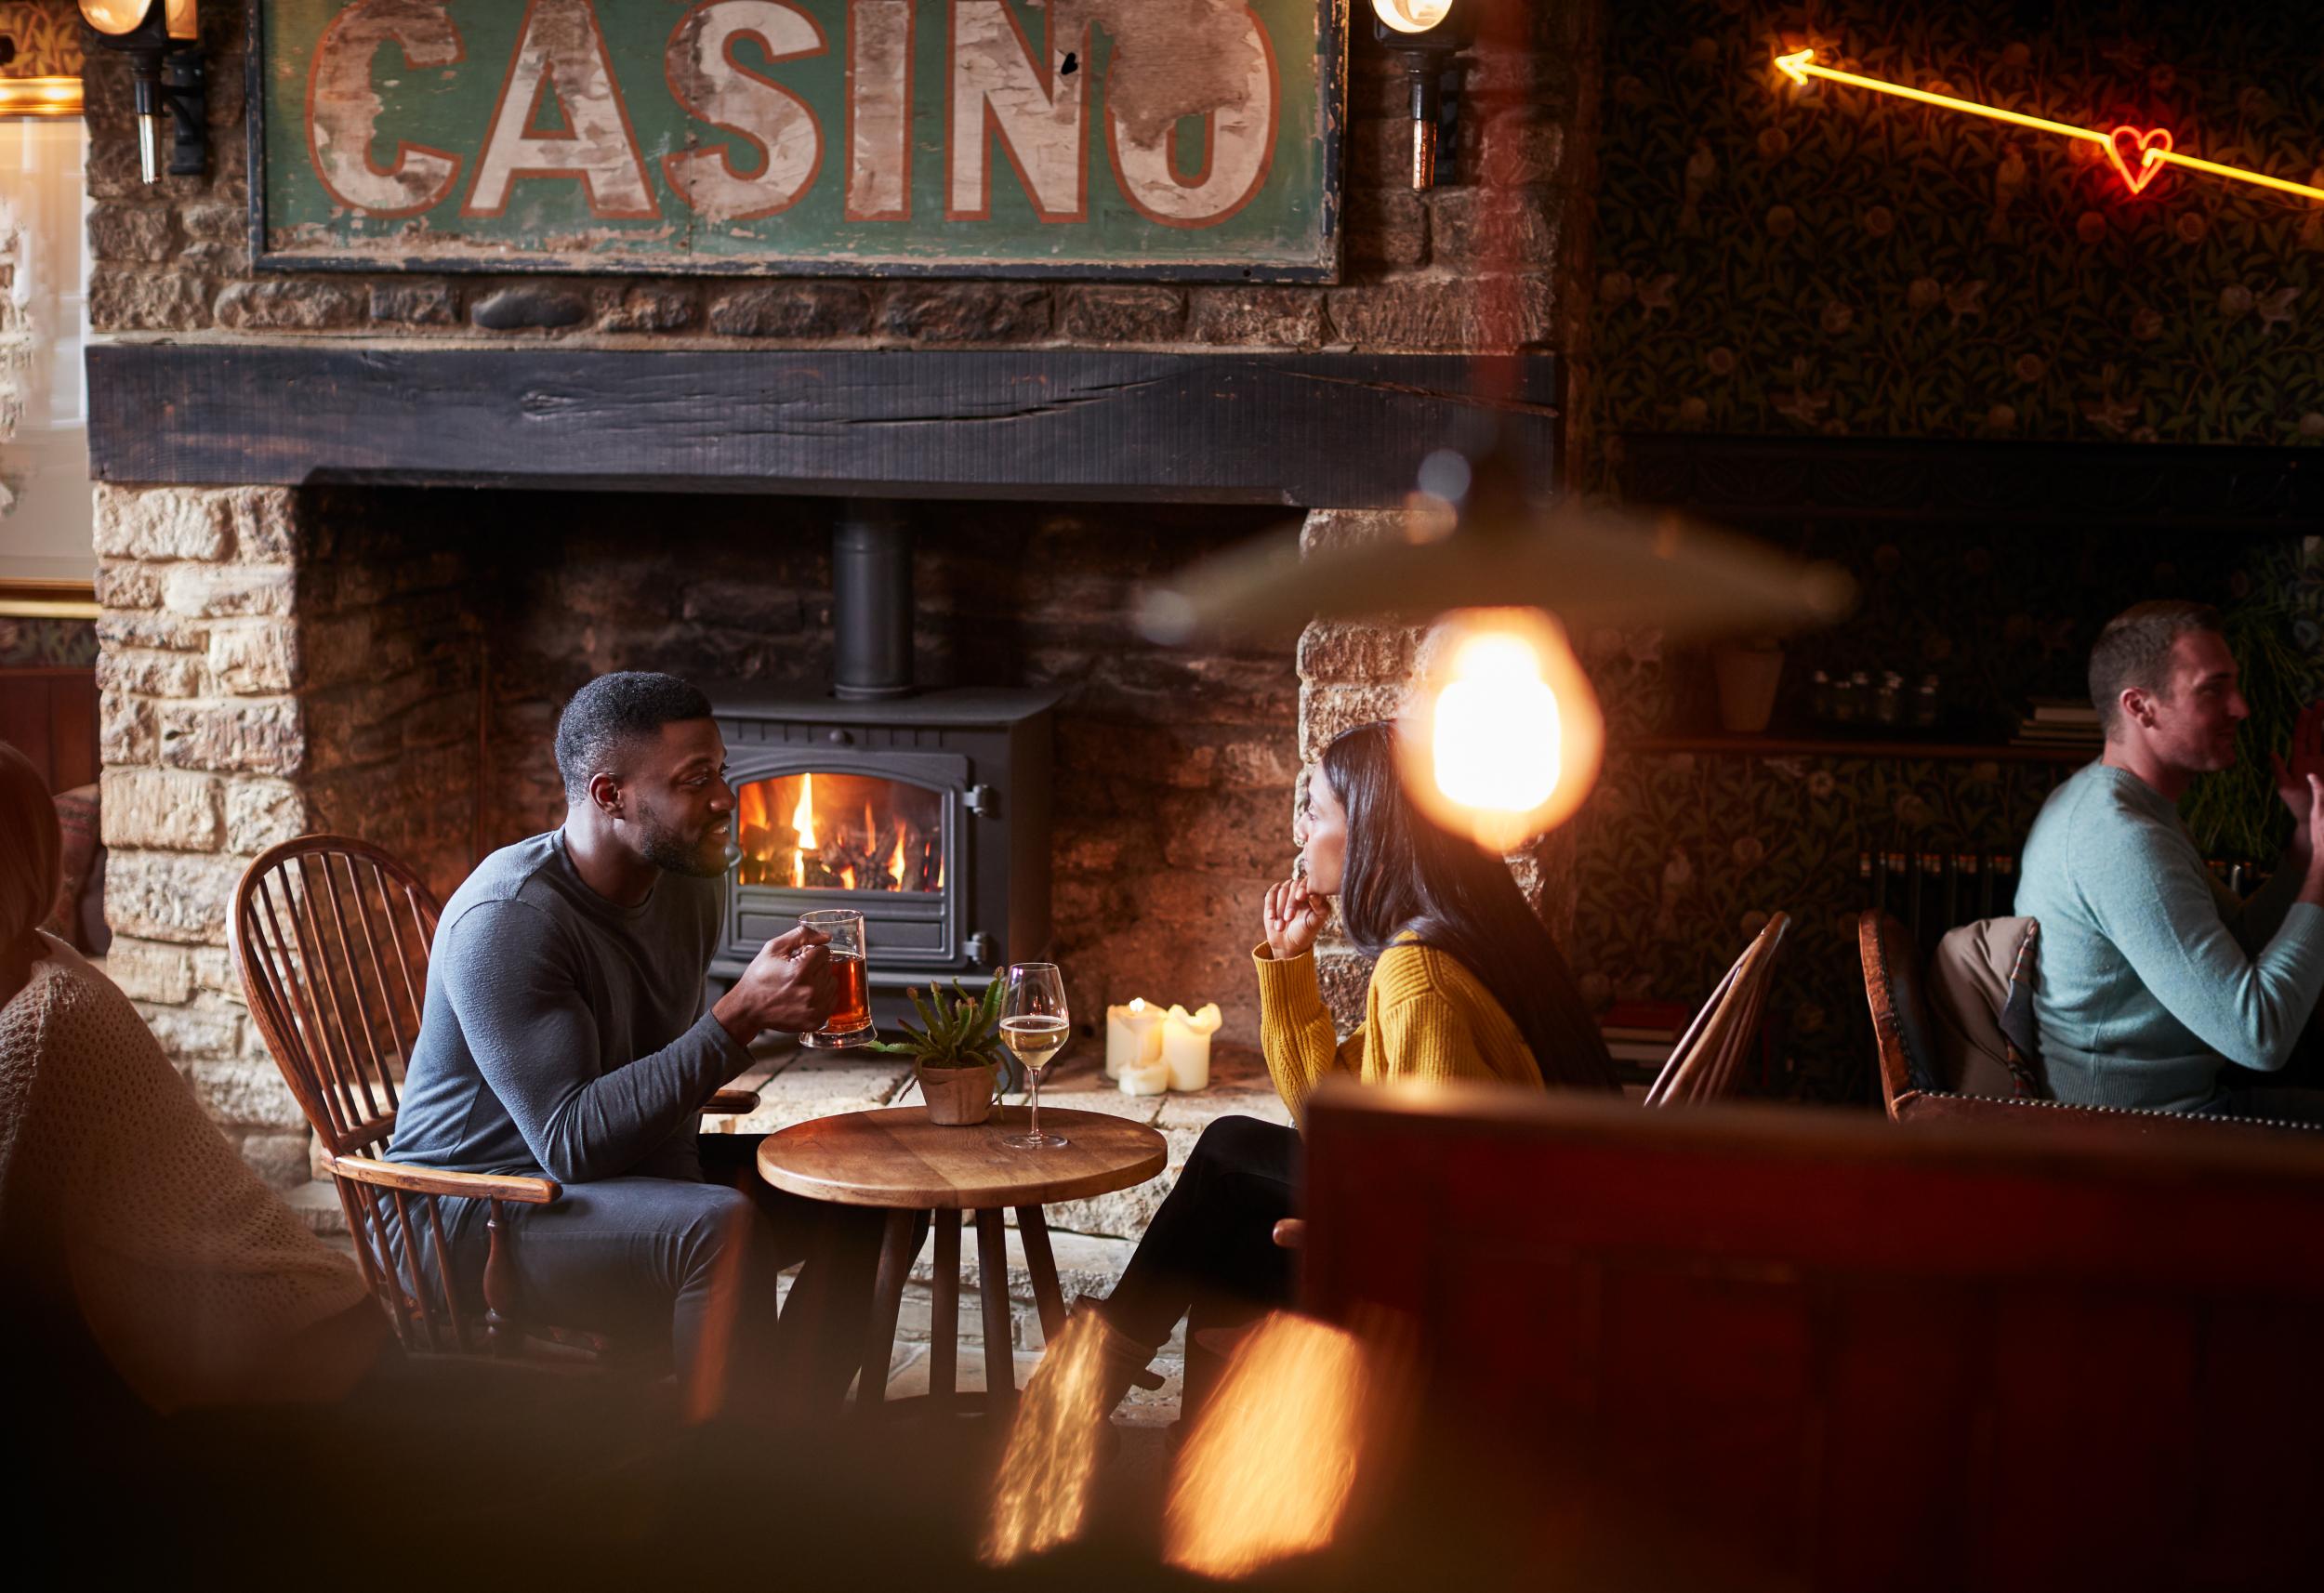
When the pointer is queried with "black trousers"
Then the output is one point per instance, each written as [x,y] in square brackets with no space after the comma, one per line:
[1209,1254]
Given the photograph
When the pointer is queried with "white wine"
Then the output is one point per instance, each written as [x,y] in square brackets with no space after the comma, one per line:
[1036,1039]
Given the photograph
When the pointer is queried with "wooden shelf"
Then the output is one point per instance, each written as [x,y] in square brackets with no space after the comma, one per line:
[1730,745]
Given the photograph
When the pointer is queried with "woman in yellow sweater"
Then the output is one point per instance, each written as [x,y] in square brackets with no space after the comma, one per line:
[1467,985]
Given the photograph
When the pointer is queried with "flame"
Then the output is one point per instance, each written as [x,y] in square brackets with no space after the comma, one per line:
[871,828]
[940,871]
[803,816]
[846,877]
[799,871]
[895,864]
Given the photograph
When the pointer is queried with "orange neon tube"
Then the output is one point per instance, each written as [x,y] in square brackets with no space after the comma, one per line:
[2153,145]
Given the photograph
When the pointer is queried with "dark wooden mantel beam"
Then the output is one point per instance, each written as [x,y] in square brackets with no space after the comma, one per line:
[1341,431]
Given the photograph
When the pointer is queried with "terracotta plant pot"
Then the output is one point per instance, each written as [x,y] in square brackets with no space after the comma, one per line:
[956,1097]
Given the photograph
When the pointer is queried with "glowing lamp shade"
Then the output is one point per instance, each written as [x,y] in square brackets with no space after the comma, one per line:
[1412,16]
[1503,736]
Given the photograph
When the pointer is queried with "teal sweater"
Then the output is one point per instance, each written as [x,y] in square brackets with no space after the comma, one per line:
[2152,972]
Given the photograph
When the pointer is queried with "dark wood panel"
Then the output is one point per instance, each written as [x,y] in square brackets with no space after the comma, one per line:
[1342,431]
[50,716]
[1817,1349]
[1794,480]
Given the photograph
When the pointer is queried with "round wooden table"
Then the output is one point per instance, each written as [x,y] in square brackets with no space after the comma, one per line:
[897,1160]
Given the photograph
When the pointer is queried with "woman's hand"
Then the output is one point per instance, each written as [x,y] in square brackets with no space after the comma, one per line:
[1294,920]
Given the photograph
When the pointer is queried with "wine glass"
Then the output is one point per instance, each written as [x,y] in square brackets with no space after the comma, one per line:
[1034,1025]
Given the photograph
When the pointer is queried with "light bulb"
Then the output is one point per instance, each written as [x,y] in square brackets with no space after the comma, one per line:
[1503,736]
[1412,16]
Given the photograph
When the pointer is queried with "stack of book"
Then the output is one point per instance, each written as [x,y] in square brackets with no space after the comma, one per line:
[1640,1036]
[2059,722]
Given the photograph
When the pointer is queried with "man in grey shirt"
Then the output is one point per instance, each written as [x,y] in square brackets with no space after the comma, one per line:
[566,1033]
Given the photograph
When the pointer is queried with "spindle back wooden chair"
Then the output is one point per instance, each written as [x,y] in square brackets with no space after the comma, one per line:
[331,935]
[1707,1062]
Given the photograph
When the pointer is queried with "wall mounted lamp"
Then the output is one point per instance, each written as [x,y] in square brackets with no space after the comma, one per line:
[1428,35]
[162,39]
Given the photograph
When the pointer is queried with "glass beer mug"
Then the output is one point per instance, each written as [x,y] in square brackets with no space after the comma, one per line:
[851,1022]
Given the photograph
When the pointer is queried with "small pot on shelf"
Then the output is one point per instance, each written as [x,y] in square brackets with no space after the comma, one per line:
[957,1097]
[1748,674]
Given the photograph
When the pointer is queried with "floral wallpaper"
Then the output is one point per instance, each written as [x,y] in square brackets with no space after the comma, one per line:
[46,36]
[1777,257]
[1796,261]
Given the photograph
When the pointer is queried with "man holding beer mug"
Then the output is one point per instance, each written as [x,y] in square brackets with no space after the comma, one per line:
[565,1033]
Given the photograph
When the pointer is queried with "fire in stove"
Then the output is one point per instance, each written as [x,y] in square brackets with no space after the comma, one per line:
[841,831]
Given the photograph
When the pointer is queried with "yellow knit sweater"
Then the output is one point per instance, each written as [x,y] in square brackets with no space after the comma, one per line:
[1425,1017]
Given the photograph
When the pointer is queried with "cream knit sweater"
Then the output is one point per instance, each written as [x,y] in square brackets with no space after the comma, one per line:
[196,1281]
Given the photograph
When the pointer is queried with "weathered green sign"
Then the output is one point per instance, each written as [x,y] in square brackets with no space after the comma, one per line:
[979,138]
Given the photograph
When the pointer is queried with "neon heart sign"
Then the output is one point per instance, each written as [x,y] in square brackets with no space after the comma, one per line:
[2137,154]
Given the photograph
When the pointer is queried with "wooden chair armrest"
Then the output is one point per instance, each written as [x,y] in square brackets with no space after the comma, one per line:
[731,1104]
[517,1186]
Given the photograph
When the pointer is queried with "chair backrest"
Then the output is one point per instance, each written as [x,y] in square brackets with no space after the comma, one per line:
[1707,1062]
[1825,1352]
[331,935]
[1900,1019]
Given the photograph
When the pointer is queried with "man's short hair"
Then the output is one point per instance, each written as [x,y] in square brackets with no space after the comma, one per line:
[2134,650]
[612,710]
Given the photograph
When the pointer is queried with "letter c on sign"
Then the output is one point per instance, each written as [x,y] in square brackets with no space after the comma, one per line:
[343,108]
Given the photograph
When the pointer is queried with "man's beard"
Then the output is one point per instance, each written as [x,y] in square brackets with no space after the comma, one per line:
[668,849]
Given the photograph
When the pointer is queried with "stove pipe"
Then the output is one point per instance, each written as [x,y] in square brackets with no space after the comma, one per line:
[871,602]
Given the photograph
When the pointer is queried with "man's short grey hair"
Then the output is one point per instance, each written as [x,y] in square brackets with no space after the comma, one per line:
[2134,650]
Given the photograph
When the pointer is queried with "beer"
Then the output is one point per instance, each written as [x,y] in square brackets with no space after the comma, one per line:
[1033,1039]
[850,1023]
[851,1001]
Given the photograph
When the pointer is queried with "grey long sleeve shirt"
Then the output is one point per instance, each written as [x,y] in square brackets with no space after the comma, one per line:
[563,1034]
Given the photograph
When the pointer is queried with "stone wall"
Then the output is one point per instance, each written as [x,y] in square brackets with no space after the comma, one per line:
[261,677]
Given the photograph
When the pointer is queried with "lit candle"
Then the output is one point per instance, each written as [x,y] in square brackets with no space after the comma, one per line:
[1133,1036]
[1186,1046]
[1146,1077]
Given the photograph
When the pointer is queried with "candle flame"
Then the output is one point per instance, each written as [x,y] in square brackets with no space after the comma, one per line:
[1136,1004]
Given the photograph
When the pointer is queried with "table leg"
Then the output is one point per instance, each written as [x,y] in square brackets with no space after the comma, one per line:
[992,1267]
[895,1264]
[1032,1228]
[943,1331]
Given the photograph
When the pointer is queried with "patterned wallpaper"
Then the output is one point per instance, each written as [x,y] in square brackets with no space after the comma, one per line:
[1786,262]
[46,36]
[1780,258]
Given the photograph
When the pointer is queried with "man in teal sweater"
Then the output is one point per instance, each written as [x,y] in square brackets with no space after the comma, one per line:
[2153,974]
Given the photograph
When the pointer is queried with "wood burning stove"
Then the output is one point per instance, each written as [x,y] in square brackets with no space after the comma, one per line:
[926,811]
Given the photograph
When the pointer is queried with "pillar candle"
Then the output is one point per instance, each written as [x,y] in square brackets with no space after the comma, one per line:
[1186,1046]
[1146,1077]
[1133,1034]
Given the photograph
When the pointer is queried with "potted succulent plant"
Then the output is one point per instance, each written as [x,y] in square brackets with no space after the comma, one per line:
[957,1053]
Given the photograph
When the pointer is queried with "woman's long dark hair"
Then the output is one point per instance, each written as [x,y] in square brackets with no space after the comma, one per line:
[1402,873]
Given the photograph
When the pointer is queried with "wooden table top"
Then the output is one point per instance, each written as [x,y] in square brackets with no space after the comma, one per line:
[895,1158]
